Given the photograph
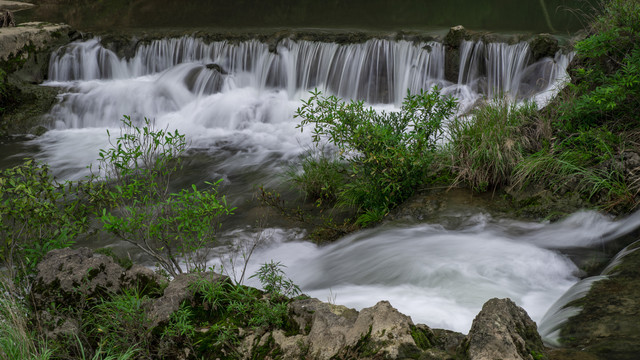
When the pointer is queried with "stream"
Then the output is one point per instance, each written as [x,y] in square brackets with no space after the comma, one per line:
[235,102]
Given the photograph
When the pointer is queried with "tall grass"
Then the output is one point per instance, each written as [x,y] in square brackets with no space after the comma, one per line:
[486,146]
[17,342]
[322,176]
[587,163]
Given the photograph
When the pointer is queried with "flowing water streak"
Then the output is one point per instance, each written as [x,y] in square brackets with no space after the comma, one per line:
[377,71]
[441,274]
[559,313]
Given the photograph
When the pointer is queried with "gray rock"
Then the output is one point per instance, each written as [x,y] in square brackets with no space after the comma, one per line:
[503,330]
[178,291]
[455,36]
[142,278]
[68,277]
[7,19]
[73,277]
[335,331]
[543,45]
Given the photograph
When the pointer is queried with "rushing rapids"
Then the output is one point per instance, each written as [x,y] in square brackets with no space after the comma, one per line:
[235,102]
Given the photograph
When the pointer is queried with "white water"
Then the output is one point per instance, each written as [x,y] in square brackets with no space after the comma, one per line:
[242,120]
[442,276]
[247,111]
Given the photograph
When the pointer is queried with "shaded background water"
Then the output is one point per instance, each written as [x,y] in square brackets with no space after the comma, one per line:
[492,15]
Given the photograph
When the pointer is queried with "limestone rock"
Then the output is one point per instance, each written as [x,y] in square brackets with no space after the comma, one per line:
[7,19]
[338,332]
[69,277]
[543,45]
[174,295]
[66,277]
[141,278]
[455,36]
[13,40]
[503,330]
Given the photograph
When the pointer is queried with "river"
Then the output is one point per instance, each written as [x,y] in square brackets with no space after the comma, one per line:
[235,102]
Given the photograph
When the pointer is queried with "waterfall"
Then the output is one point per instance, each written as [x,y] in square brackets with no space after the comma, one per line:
[499,69]
[377,71]
[244,94]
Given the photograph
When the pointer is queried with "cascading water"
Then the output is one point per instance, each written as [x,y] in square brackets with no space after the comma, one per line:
[242,96]
[235,102]
[499,69]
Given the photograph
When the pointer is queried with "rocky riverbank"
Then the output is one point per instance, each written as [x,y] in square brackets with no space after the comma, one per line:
[24,60]
[76,280]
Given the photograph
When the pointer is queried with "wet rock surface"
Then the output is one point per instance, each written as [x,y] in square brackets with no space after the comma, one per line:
[608,327]
[24,56]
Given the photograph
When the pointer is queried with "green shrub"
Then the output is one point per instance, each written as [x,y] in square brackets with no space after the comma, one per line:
[175,229]
[486,146]
[38,215]
[388,154]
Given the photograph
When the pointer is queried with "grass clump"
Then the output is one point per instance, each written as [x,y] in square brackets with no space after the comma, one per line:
[321,177]
[225,308]
[17,341]
[118,323]
[486,146]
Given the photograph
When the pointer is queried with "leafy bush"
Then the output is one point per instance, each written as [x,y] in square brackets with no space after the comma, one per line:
[175,229]
[486,146]
[388,154]
[38,215]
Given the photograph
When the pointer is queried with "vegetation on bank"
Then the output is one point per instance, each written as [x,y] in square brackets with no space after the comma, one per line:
[585,142]
[130,197]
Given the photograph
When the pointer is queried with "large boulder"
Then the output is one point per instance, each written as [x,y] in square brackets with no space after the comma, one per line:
[73,277]
[336,332]
[503,330]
